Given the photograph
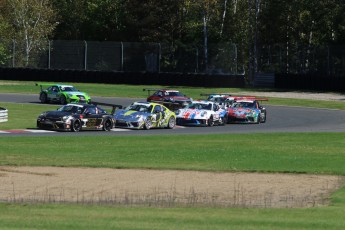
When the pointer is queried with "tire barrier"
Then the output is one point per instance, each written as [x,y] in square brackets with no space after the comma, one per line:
[130,78]
[3,115]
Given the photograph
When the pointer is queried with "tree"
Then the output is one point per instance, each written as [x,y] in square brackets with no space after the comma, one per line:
[33,22]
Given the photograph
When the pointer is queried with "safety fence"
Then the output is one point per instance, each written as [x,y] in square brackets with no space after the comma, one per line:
[122,56]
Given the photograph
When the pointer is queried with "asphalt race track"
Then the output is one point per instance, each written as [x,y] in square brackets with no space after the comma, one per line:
[279,119]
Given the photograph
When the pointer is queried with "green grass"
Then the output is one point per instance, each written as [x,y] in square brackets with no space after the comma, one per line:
[15,216]
[320,153]
[136,91]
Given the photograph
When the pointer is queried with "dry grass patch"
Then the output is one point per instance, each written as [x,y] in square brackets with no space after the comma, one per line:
[165,188]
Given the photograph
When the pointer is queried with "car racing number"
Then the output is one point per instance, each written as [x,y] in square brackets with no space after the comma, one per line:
[93,122]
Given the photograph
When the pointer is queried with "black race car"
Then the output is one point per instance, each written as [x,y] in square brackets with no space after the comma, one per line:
[76,117]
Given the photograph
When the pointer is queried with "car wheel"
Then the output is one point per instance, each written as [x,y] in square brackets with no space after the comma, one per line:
[263,120]
[171,123]
[148,123]
[224,120]
[63,100]
[43,98]
[108,125]
[210,121]
[76,125]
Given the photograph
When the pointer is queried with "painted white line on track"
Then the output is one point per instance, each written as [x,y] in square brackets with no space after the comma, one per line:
[120,130]
[39,131]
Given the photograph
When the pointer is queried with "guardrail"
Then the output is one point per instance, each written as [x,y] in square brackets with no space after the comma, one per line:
[3,115]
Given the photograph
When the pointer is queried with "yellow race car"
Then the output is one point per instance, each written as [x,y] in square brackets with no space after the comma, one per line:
[145,115]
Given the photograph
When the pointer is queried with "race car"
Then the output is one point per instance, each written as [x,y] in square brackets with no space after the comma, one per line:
[225,100]
[145,115]
[172,99]
[247,111]
[76,117]
[202,113]
[62,94]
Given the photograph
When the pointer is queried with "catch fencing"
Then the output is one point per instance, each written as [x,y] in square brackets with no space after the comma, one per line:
[122,56]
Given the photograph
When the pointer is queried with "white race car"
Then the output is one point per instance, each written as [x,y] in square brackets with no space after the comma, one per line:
[201,113]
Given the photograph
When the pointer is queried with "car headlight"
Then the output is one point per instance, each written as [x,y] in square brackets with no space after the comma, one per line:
[65,118]
[203,113]
[43,114]
[70,95]
[138,116]
[177,112]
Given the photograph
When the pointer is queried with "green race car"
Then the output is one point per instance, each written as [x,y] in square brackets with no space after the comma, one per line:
[62,94]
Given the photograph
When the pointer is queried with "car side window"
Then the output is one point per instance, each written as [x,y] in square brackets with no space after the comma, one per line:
[157,109]
[90,110]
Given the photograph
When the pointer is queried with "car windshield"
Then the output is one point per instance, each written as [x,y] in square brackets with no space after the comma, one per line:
[140,108]
[173,94]
[68,89]
[243,105]
[200,106]
[71,109]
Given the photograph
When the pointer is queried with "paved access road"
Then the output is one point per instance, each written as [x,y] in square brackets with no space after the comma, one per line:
[279,119]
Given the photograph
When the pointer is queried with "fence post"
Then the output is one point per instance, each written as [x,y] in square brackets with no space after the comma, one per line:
[122,56]
[159,57]
[13,52]
[85,55]
[196,60]
[49,54]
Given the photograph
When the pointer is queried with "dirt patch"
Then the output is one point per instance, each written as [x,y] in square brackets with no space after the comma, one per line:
[166,188]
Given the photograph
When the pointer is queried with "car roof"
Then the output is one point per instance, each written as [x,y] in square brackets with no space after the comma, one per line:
[60,85]
[145,103]
[82,105]
[203,102]
[245,100]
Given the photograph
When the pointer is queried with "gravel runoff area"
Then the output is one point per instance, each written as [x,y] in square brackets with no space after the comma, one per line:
[299,95]
[164,188]
[171,188]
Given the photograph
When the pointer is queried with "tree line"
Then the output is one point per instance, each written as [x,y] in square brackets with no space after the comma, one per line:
[250,24]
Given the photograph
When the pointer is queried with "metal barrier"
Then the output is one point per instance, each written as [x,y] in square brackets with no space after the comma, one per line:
[3,115]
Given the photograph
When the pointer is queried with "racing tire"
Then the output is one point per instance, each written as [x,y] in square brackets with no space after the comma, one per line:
[63,100]
[108,125]
[171,123]
[147,123]
[43,98]
[76,125]
[210,121]
[224,120]
[264,118]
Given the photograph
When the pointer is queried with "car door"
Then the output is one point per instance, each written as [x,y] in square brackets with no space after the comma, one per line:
[92,117]
[52,93]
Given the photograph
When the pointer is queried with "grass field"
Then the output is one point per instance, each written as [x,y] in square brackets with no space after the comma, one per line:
[136,91]
[316,153]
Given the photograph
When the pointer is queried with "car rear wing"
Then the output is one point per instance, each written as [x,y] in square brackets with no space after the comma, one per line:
[209,94]
[230,95]
[114,107]
[43,85]
[149,90]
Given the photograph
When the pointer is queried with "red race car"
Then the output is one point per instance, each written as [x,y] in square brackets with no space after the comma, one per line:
[168,96]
